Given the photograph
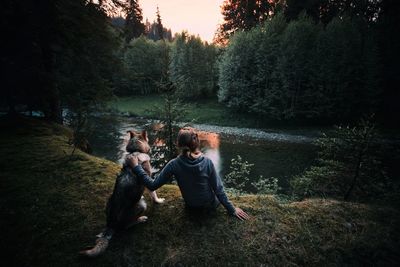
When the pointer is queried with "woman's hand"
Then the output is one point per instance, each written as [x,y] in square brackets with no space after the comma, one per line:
[241,215]
[132,161]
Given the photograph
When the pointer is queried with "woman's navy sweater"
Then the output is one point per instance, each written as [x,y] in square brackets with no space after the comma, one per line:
[200,185]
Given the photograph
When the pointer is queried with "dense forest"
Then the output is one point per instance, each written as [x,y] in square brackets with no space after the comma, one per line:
[318,60]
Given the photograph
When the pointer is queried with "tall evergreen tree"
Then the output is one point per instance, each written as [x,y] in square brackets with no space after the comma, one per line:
[60,54]
[146,64]
[192,66]
[242,15]
[325,10]
[389,48]
[134,26]
[160,27]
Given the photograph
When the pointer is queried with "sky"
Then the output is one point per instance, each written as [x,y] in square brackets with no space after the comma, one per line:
[198,17]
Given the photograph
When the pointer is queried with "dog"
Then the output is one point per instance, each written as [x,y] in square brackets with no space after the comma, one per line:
[126,205]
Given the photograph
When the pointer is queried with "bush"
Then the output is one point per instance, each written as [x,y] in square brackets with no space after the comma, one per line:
[238,179]
[350,166]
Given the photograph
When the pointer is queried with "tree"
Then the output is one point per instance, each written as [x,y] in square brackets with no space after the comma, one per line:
[242,15]
[389,52]
[134,26]
[159,27]
[60,55]
[170,113]
[347,69]
[350,165]
[29,57]
[192,68]
[152,32]
[145,62]
[325,10]
[249,78]
[268,77]
[302,71]
[296,65]
[236,71]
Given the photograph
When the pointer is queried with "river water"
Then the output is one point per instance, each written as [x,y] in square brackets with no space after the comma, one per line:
[273,154]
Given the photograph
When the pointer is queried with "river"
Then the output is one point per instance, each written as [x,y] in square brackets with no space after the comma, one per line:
[274,154]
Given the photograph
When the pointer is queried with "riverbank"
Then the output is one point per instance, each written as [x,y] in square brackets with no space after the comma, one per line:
[52,206]
[205,111]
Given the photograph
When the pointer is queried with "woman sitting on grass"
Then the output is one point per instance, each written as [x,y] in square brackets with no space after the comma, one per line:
[200,185]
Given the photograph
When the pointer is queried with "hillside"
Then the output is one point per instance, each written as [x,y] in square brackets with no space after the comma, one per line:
[52,206]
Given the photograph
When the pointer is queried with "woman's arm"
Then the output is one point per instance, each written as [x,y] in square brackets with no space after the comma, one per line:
[162,178]
[217,186]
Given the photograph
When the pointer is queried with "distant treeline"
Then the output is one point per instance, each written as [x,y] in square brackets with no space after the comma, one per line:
[296,70]
[333,61]
[188,62]
[303,70]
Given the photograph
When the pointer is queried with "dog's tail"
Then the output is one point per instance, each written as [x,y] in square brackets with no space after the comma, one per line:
[98,249]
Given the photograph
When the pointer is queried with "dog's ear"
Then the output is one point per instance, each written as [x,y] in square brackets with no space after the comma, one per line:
[144,135]
[131,134]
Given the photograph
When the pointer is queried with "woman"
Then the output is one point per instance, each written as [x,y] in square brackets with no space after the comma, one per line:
[200,185]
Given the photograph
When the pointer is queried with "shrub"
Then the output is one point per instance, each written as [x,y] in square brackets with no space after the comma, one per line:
[349,165]
[238,179]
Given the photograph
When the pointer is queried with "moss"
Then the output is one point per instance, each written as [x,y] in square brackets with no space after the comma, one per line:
[52,206]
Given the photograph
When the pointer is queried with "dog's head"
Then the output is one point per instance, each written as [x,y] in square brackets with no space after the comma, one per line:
[138,142]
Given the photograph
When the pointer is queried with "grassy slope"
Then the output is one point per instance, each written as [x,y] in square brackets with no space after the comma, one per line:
[52,206]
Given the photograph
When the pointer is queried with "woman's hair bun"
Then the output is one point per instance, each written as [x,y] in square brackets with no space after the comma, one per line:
[188,139]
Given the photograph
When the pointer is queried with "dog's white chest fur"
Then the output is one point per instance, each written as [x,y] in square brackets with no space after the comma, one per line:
[142,157]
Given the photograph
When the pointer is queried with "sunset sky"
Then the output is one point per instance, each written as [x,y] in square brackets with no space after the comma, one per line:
[198,17]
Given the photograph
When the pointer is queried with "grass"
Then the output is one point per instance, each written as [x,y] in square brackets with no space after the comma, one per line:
[52,206]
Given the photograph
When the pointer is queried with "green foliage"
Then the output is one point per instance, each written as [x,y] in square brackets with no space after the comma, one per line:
[145,66]
[241,16]
[347,69]
[325,10]
[300,96]
[192,67]
[171,111]
[134,26]
[61,55]
[236,69]
[300,70]
[350,166]
[187,62]
[266,185]
[86,67]
[238,179]
[152,30]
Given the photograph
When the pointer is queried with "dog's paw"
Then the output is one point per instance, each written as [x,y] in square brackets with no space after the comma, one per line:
[159,200]
[142,219]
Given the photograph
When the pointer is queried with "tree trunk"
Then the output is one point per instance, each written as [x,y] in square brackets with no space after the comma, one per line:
[47,38]
[355,178]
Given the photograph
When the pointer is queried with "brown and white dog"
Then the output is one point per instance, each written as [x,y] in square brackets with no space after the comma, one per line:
[126,205]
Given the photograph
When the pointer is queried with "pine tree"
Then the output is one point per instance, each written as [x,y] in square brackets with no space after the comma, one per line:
[242,15]
[325,10]
[192,66]
[160,27]
[134,26]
